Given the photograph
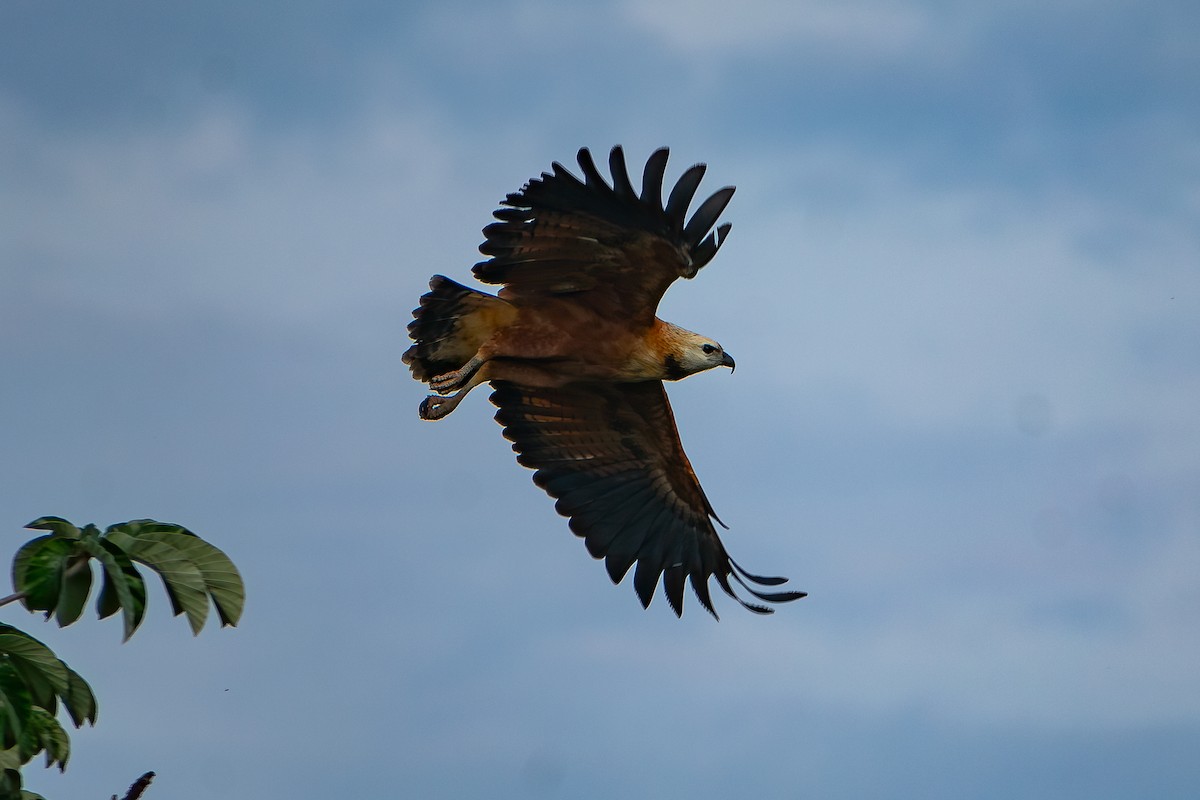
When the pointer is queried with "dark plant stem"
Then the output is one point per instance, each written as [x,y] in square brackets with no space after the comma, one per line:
[12,598]
[139,786]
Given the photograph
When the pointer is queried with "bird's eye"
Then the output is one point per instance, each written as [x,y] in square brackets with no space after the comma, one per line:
[708,349]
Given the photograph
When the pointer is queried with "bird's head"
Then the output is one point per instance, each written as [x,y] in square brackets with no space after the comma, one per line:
[689,353]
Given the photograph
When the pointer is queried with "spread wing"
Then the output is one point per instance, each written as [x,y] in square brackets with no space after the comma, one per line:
[611,455]
[560,235]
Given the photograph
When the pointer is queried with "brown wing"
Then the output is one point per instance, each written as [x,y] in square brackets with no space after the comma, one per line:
[611,455]
[560,235]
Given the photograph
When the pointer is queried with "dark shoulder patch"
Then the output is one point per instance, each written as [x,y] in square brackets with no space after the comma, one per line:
[675,370]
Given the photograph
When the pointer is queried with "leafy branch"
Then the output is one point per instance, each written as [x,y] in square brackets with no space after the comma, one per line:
[54,574]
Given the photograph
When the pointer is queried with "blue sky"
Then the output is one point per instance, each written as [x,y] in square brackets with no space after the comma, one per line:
[963,290]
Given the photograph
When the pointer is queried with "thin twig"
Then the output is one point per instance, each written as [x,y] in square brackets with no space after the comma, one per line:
[12,598]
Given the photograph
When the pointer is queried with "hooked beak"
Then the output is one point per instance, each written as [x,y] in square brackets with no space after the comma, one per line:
[727,361]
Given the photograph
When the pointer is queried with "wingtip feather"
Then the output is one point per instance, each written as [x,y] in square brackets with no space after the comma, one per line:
[652,177]
[620,173]
[682,194]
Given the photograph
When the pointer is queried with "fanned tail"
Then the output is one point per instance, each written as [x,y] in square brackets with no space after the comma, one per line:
[449,326]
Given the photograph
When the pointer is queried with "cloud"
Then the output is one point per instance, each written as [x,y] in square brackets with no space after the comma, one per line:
[950,300]
[210,213]
[878,28]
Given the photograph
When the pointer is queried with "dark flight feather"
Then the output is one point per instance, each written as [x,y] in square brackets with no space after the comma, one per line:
[610,455]
[681,197]
[560,234]
[621,183]
[652,177]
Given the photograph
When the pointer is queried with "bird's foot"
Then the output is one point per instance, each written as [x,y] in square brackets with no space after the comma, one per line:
[436,406]
[451,388]
[446,383]
[449,382]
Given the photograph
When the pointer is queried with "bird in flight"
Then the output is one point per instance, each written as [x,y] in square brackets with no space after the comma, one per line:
[577,358]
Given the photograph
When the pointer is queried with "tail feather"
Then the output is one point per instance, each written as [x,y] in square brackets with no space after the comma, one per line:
[449,326]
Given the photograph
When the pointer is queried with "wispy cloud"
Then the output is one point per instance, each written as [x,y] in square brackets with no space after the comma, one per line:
[211,213]
[878,29]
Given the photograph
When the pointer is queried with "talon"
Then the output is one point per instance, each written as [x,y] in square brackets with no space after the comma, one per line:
[450,389]
[449,382]
[446,383]
[431,407]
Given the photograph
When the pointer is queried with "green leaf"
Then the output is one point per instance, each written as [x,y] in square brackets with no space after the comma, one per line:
[57,525]
[44,676]
[144,540]
[37,673]
[76,586]
[15,704]
[108,603]
[30,656]
[44,734]
[123,588]
[38,569]
[10,774]
[221,577]
[79,700]
[41,691]
[183,580]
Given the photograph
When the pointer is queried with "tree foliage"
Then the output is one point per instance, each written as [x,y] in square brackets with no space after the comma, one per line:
[54,574]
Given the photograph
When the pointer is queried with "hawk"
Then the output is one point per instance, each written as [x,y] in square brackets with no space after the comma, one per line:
[577,358]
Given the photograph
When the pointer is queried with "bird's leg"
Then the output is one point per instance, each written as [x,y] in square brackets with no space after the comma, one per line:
[437,406]
[450,381]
